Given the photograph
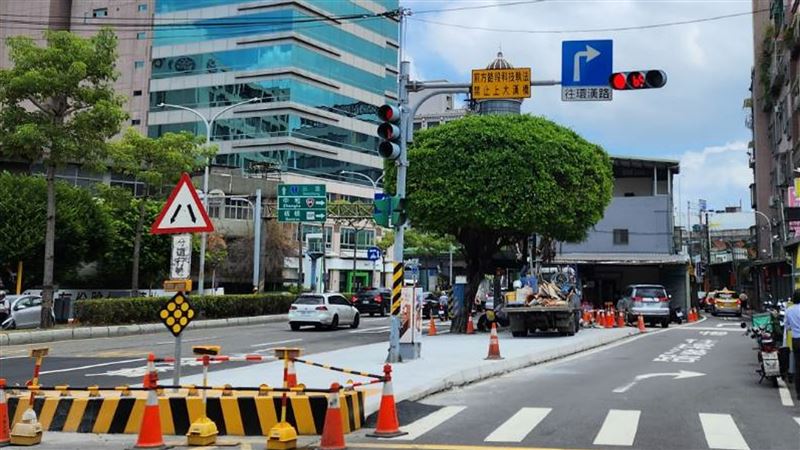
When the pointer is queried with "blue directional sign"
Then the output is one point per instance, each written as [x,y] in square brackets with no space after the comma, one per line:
[585,69]
[373,253]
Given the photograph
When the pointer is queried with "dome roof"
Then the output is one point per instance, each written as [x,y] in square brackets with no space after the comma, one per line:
[499,63]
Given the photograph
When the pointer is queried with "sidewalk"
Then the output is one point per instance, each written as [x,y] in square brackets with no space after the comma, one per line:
[21,337]
[447,361]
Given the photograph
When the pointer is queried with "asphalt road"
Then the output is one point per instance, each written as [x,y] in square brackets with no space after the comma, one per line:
[122,360]
[594,400]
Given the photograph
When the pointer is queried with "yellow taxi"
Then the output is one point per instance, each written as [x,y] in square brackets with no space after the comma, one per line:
[725,302]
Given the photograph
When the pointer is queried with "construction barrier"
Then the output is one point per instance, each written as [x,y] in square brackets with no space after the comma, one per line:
[235,415]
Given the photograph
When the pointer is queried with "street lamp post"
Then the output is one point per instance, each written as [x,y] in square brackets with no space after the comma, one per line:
[374,182]
[209,123]
[256,236]
[355,237]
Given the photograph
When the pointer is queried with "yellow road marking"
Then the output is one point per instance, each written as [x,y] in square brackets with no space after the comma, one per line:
[377,445]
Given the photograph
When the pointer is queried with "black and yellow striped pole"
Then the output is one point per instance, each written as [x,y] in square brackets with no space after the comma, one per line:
[397,287]
[397,291]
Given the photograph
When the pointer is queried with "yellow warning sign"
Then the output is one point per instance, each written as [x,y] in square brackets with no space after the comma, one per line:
[501,83]
[177,314]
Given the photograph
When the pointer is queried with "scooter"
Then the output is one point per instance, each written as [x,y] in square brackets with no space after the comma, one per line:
[768,360]
[677,315]
[442,312]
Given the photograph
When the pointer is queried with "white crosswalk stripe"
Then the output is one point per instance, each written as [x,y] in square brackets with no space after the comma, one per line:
[797,419]
[721,432]
[519,425]
[429,422]
[619,428]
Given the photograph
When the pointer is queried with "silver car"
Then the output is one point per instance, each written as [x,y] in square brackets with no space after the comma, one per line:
[651,301]
[24,311]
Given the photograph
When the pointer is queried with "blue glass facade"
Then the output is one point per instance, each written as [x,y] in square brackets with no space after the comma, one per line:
[280,60]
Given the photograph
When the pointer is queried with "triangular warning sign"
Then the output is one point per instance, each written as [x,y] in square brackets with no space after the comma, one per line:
[183,212]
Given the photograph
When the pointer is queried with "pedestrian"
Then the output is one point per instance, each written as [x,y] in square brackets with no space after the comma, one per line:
[443,301]
[743,300]
[793,326]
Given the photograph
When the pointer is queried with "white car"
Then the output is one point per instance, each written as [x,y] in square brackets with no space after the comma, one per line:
[323,310]
[24,312]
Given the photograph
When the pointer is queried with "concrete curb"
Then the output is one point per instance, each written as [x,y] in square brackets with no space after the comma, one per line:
[64,334]
[482,372]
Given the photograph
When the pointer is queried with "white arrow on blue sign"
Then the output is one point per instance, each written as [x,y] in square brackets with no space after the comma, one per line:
[373,253]
[585,69]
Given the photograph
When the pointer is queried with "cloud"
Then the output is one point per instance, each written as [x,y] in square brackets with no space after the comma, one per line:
[708,65]
[718,174]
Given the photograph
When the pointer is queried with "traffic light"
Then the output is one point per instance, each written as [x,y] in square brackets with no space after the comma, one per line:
[638,79]
[389,132]
[399,215]
[382,212]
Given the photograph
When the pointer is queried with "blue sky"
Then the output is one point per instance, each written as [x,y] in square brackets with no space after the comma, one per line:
[697,118]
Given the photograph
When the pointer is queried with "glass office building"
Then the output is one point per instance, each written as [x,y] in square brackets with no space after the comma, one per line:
[321,69]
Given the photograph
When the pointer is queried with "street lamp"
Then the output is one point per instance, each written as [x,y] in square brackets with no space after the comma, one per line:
[374,182]
[769,222]
[209,123]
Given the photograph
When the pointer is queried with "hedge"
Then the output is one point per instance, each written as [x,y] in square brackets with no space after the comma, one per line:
[120,311]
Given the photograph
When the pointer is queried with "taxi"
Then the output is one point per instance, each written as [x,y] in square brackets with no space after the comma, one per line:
[725,302]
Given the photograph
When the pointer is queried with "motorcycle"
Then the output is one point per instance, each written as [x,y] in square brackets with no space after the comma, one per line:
[676,315]
[768,359]
[442,312]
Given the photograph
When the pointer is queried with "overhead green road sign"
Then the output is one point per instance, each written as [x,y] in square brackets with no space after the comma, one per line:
[302,203]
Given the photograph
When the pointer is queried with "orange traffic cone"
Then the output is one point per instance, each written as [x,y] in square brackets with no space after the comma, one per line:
[470,325]
[494,344]
[640,323]
[621,320]
[5,431]
[388,425]
[291,375]
[432,327]
[150,435]
[332,431]
[610,319]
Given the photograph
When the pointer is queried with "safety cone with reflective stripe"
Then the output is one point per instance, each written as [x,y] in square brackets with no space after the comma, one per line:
[432,327]
[640,324]
[609,319]
[470,325]
[388,425]
[150,435]
[621,320]
[291,375]
[5,439]
[494,344]
[332,431]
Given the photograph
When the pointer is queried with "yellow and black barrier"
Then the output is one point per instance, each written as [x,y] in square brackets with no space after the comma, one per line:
[379,378]
[241,415]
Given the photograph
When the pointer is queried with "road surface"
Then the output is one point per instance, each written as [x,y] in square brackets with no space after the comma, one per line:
[681,388]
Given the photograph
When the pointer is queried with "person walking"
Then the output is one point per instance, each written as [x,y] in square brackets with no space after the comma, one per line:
[792,325]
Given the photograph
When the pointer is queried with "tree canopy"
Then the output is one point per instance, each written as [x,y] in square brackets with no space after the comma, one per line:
[490,181]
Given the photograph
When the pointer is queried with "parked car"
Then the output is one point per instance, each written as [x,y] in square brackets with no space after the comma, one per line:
[323,310]
[726,302]
[4,306]
[649,300]
[24,312]
[373,301]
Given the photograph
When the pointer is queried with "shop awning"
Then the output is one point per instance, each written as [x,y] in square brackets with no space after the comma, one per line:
[621,258]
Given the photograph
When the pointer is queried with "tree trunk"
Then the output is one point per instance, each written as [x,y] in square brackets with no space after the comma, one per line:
[137,244]
[46,318]
[474,275]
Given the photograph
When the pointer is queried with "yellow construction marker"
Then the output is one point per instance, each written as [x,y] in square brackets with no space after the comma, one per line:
[203,431]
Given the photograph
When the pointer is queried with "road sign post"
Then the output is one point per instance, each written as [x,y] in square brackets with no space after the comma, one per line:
[585,68]
[176,315]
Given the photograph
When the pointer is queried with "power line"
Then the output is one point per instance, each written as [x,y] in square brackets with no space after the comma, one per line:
[593,30]
[494,5]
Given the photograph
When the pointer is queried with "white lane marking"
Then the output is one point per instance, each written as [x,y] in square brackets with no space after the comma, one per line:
[619,428]
[721,432]
[519,425]
[188,340]
[720,325]
[429,422]
[786,396]
[797,419]
[267,344]
[374,330]
[72,369]
[13,357]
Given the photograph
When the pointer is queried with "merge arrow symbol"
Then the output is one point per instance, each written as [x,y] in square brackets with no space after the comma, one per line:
[175,214]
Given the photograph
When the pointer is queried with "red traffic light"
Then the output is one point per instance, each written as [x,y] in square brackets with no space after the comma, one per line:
[638,79]
[389,113]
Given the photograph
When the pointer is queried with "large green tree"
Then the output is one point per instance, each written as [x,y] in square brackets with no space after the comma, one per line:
[155,162]
[58,106]
[491,181]
[83,229]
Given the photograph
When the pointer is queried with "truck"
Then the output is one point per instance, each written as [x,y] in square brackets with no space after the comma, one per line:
[530,319]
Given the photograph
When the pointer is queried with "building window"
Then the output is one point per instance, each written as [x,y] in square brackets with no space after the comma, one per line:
[141,35]
[100,12]
[138,64]
[136,122]
[143,7]
[238,209]
[366,238]
[137,93]
[620,236]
